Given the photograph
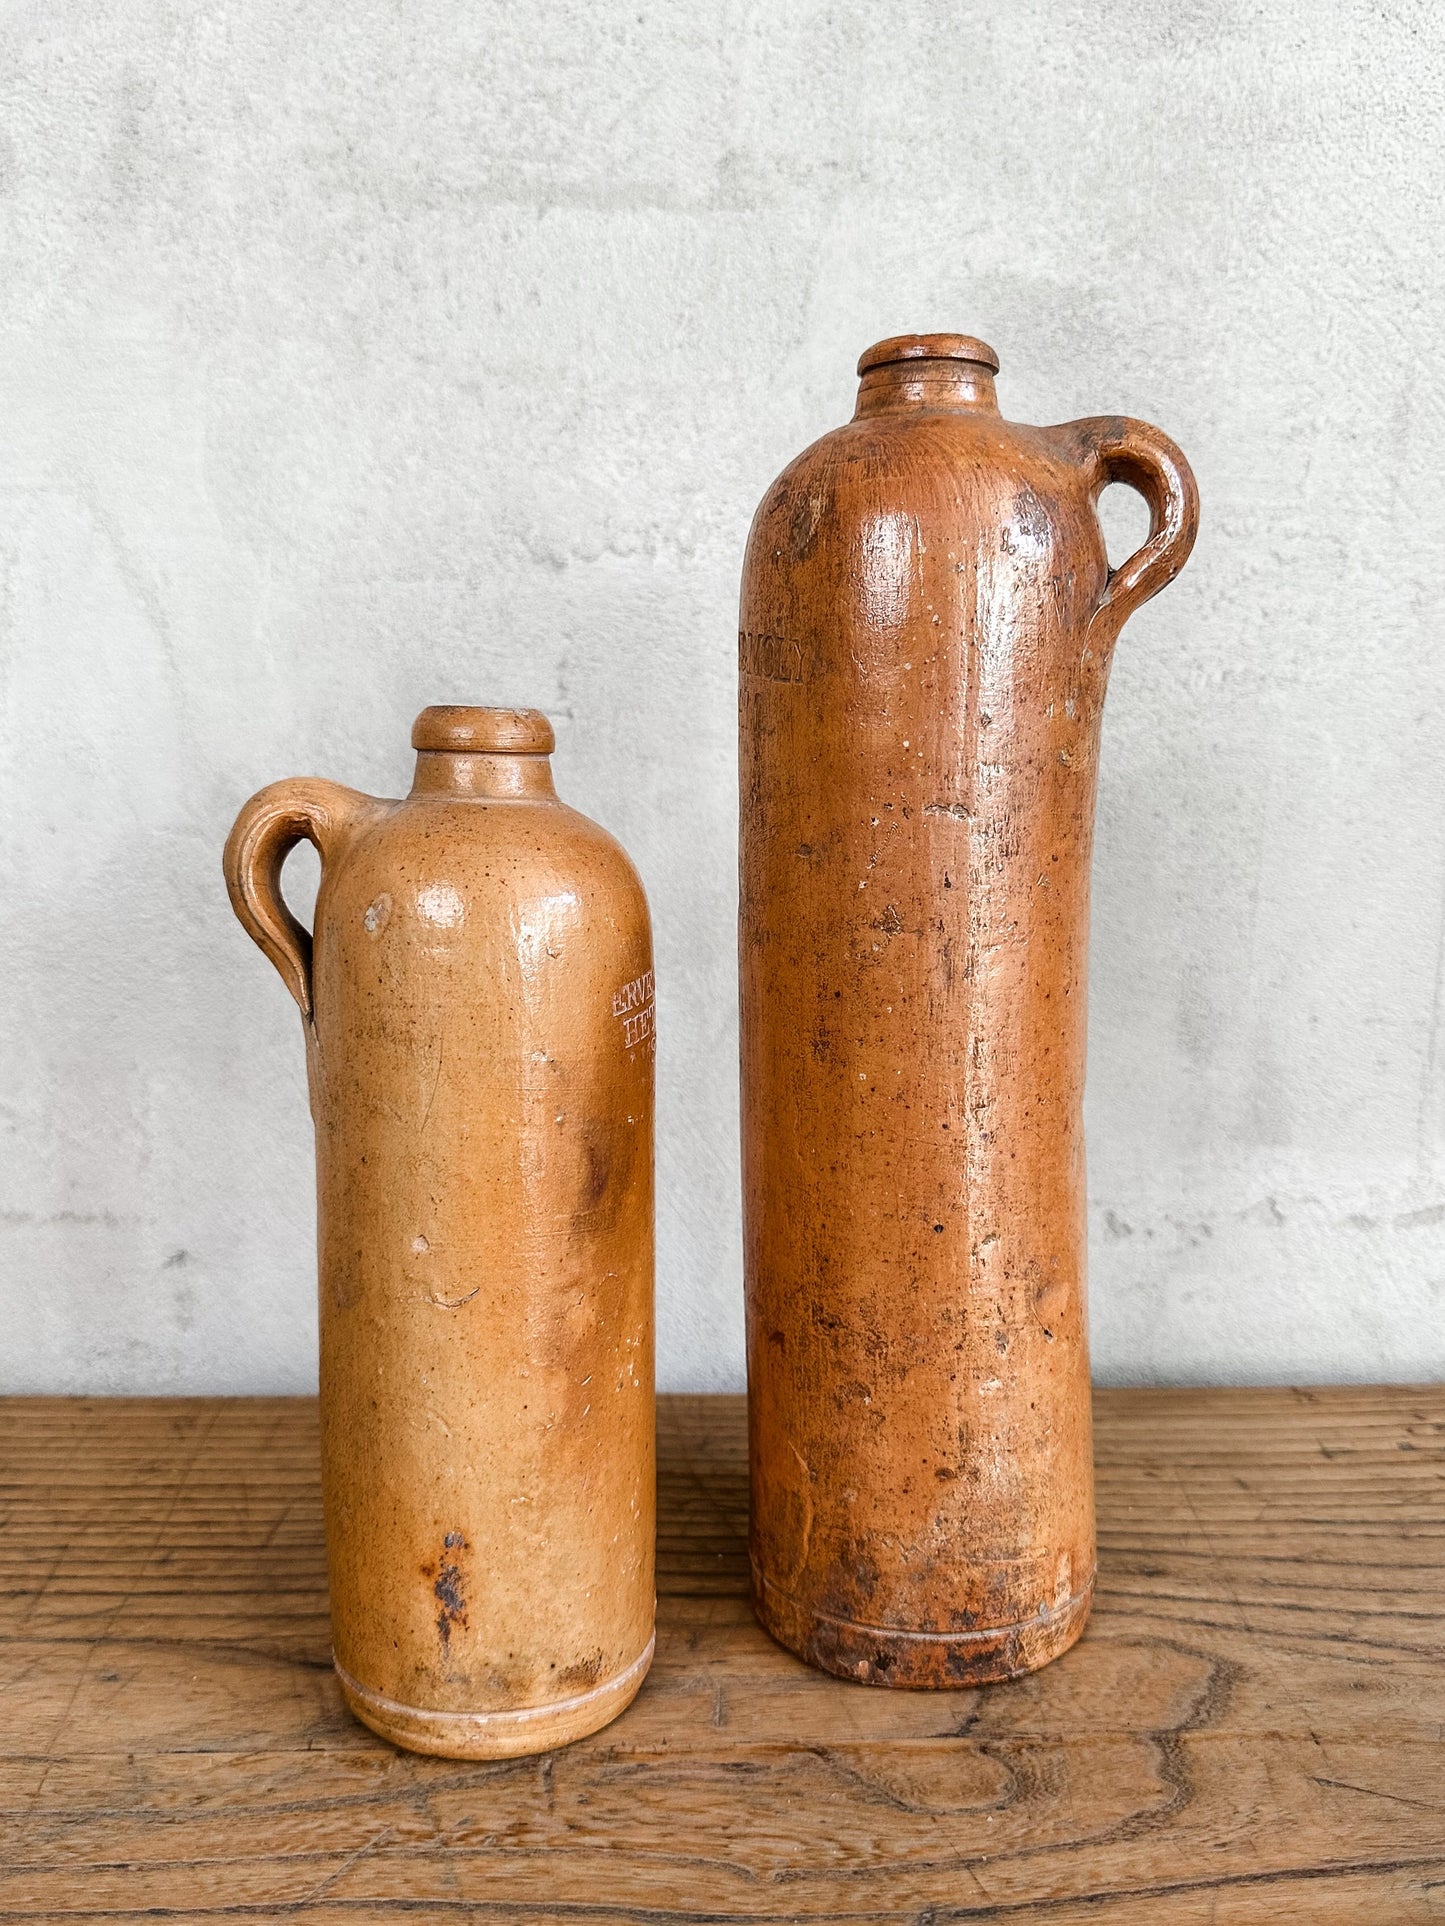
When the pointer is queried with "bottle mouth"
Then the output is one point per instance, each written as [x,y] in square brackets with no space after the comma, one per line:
[927,347]
[483,732]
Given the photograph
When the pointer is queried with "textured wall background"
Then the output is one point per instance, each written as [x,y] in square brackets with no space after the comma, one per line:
[359,357]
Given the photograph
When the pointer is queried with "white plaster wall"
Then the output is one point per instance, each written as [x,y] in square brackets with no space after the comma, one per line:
[356,357]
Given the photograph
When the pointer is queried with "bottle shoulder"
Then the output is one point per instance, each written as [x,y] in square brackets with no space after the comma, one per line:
[920,480]
[922,455]
[443,857]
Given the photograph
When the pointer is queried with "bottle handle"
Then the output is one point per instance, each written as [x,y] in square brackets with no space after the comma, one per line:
[1123,450]
[270,825]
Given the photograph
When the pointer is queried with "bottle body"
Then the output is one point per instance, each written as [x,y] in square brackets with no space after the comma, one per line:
[921,682]
[481,1083]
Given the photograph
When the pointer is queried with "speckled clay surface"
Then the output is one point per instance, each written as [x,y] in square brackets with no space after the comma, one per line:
[927,621]
[478,1017]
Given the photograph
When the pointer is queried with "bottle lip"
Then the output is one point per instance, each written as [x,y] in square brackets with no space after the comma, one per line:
[454,727]
[927,347]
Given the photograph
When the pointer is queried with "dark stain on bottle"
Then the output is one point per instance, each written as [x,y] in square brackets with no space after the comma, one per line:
[447,1588]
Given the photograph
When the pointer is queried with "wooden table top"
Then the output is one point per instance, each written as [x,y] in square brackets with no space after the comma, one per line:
[1253,1728]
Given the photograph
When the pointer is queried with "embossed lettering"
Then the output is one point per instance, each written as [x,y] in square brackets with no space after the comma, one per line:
[633,995]
[772,657]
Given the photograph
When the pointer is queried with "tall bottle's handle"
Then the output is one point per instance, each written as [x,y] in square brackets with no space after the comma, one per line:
[1123,450]
[270,825]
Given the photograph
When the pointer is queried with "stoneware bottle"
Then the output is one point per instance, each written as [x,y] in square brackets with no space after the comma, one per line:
[477,1003]
[927,620]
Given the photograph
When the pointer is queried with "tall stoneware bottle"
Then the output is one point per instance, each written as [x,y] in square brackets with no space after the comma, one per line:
[477,1003]
[927,620]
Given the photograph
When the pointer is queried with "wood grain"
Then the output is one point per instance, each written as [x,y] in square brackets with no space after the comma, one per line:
[1251,1730]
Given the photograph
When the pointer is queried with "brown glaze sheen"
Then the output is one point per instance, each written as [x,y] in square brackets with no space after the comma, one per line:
[927,621]
[478,1015]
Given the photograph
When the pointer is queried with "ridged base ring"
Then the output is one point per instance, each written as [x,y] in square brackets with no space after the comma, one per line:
[925,1661]
[496,1735]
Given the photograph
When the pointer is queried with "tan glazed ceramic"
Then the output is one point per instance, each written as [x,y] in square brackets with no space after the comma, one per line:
[478,1016]
[927,622]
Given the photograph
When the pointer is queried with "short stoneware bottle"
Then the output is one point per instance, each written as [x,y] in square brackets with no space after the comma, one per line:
[477,1004]
[927,621]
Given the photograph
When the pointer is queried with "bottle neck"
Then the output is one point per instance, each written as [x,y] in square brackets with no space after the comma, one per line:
[481,777]
[947,385]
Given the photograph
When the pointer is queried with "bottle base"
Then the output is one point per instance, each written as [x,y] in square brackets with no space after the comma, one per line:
[496,1735]
[919,1661]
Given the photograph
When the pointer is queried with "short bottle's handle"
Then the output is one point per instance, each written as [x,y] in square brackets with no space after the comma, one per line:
[304,809]
[1123,450]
